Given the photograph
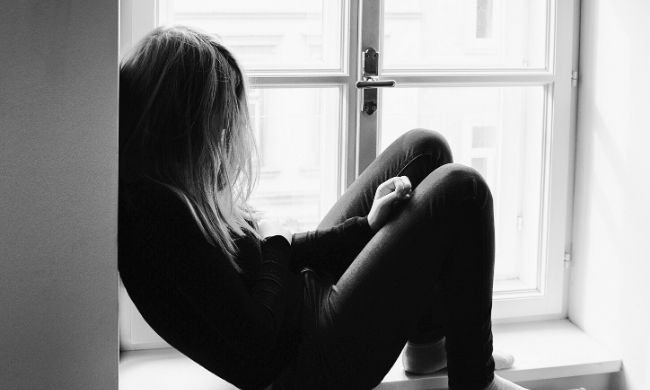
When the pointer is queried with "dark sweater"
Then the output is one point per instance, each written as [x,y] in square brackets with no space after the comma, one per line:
[243,327]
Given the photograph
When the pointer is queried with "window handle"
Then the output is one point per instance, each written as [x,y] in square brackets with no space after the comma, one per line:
[371,82]
[369,87]
[370,63]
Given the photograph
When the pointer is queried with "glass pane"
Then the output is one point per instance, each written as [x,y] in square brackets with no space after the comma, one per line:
[268,35]
[471,34]
[499,132]
[298,139]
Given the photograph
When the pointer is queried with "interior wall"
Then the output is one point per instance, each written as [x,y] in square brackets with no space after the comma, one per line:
[610,289]
[58,208]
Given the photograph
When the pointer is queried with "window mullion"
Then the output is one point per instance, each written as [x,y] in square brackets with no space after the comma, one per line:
[351,110]
[371,30]
[298,80]
[475,78]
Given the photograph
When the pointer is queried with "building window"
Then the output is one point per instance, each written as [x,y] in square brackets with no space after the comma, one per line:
[493,76]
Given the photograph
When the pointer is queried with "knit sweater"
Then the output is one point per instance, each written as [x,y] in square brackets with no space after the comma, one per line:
[244,327]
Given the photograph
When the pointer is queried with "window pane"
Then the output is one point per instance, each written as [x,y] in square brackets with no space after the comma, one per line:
[297,133]
[499,132]
[268,35]
[443,34]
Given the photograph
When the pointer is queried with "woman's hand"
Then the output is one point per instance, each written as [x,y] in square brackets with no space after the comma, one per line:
[271,227]
[387,196]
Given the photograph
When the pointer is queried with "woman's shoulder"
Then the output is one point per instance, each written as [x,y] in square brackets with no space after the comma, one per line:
[154,221]
[146,204]
[148,195]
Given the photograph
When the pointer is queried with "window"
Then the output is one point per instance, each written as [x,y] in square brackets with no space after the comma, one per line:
[494,76]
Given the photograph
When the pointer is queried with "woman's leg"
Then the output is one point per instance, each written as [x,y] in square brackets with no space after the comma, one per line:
[444,233]
[414,154]
[446,230]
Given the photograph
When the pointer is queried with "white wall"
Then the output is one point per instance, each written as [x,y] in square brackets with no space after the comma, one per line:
[58,169]
[610,291]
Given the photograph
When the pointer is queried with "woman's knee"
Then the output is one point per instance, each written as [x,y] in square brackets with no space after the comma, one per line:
[428,141]
[462,183]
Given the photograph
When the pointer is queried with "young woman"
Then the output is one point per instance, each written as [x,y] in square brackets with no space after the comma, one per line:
[405,256]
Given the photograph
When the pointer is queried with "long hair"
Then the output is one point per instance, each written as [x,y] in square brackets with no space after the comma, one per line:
[184,123]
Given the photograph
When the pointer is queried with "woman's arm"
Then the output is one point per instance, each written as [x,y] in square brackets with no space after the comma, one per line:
[331,249]
[336,247]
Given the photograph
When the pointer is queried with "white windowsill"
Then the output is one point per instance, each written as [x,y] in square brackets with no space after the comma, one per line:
[543,350]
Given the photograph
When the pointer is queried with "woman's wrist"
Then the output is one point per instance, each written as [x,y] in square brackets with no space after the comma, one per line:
[372,224]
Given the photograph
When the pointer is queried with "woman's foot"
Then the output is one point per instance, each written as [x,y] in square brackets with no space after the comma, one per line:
[427,358]
[502,360]
[499,383]
[424,358]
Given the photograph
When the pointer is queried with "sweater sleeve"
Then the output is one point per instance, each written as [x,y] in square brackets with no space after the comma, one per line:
[248,317]
[268,287]
[333,248]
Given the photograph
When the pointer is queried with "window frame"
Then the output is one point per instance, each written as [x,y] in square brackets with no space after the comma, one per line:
[359,139]
[548,300]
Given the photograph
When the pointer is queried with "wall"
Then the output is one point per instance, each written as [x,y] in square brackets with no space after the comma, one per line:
[58,169]
[610,290]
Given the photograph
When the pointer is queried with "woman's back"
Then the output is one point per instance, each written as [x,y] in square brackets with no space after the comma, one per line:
[193,297]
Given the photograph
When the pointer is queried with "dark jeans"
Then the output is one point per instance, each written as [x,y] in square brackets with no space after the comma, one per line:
[427,273]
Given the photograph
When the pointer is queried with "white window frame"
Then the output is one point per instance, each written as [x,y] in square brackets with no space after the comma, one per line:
[548,299]
[359,140]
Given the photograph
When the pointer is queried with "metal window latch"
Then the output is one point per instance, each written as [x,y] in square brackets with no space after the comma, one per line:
[371,81]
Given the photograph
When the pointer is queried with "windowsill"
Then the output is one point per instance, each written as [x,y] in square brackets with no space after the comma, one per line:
[543,351]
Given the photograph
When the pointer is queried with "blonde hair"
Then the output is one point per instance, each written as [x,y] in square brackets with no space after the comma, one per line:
[184,123]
